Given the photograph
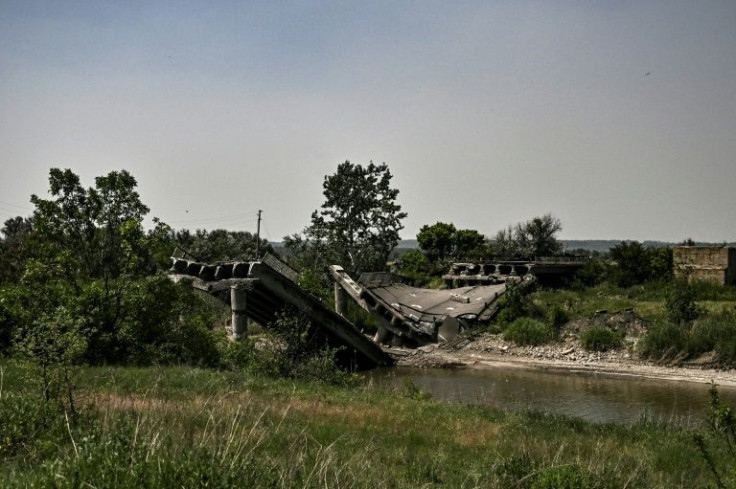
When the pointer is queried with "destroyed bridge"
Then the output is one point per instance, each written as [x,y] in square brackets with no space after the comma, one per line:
[406,315]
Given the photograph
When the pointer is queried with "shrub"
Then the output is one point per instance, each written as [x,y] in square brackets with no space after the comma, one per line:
[717,443]
[415,266]
[714,333]
[558,317]
[600,338]
[527,331]
[679,302]
[664,340]
[591,274]
[512,305]
[298,352]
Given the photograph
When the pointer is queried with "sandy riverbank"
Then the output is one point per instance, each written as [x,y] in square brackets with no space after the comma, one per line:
[489,351]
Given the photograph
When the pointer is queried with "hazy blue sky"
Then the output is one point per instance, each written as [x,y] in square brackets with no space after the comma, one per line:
[618,117]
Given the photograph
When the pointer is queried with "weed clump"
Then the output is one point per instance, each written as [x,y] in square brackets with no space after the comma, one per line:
[714,333]
[527,331]
[600,338]
[558,317]
[717,444]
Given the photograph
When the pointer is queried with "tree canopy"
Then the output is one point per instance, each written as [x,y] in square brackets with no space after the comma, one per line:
[358,224]
[437,240]
[529,239]
[220,245]
[92,233]
[442,240]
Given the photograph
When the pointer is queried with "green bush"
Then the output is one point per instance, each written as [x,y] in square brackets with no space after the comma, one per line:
[716,444]
[558,317]
[591,274]
[664,340]
[296,351]
[714,333]
[512,304]
[679,302]
[527,331]
[415,266]
[600,338]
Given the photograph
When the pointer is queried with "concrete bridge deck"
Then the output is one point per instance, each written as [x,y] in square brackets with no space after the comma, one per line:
[260,290]
[544,269]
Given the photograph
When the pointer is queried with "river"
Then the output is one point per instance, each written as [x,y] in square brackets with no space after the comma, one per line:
[593,397]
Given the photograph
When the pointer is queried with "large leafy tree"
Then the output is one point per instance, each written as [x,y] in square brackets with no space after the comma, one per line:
[94,233]
[85,292]
[358,224]
[442,240]
[437,240]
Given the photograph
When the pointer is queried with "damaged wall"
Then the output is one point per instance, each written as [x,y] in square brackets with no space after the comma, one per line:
[708,263]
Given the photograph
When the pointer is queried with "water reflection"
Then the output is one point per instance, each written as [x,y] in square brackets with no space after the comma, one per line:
[593,397]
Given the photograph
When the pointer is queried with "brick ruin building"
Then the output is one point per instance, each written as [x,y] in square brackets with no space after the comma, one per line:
[708,263]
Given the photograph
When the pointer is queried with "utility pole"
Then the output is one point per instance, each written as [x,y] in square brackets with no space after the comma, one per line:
[258,236]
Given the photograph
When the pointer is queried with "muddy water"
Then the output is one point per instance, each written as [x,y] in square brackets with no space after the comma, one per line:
[592,397]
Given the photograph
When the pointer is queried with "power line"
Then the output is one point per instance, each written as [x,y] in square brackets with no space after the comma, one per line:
[13,208]
[15,205]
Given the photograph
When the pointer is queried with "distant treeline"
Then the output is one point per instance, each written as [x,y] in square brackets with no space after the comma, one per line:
[599,245]
[591,245]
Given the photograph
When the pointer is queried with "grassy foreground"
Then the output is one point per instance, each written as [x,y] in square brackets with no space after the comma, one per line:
[187,427]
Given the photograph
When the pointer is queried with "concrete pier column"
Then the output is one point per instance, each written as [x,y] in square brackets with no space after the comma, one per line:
[341,300]
[237,305]
[381,335]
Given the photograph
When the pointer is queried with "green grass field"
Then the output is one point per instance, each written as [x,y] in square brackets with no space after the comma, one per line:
[188,427]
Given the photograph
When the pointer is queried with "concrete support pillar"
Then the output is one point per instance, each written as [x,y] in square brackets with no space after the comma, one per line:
[341,300]
[381,335]
[237,305]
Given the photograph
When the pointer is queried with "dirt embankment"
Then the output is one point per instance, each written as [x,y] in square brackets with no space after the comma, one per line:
[485,350]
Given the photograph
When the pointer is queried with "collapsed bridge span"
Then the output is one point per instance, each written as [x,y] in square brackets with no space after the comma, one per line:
[411,316]
[259,290]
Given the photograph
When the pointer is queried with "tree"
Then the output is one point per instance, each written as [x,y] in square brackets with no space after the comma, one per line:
[631,263]
[468,244]
[530,239]
[536,237]
[437,240]
[220,245]
[635,264]
[679,302]
[442,240]
[417,267]
[92,233]
[14,245]
[503,245]
[358,224]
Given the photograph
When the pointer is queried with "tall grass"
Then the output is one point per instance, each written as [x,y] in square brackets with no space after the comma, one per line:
[601,338]
[712,333]
[527,331]
[182,427]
